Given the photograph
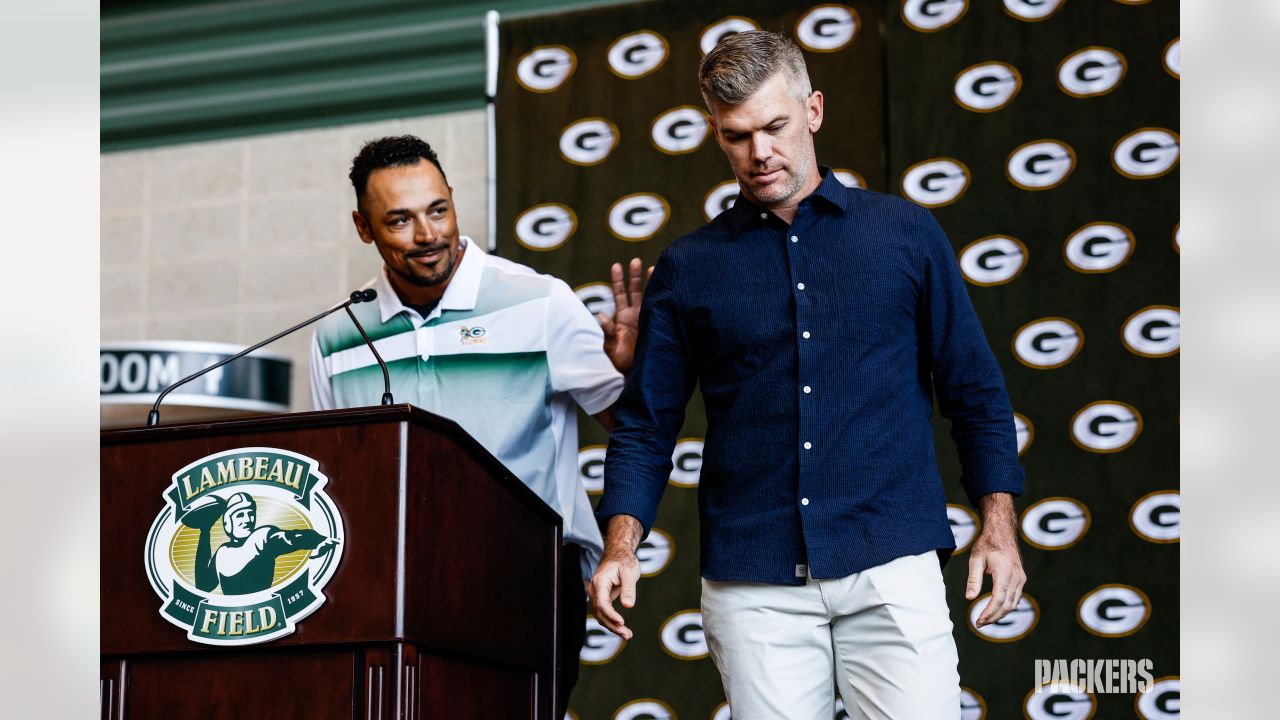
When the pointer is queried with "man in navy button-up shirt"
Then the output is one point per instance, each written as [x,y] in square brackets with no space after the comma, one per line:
[820,321]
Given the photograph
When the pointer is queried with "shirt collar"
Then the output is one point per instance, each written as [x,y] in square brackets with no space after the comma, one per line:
[829,192]
[459,294]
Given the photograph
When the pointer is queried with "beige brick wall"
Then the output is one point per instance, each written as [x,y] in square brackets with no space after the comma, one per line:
[234,240]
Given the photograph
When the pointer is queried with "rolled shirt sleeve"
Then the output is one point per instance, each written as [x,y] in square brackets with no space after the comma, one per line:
[967,379]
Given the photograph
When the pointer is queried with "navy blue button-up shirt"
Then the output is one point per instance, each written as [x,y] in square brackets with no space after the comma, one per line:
[819,347]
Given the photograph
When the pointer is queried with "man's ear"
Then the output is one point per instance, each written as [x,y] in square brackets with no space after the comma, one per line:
[362,227]
[814,107]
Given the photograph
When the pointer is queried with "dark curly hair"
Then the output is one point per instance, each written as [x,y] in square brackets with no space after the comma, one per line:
[394,151]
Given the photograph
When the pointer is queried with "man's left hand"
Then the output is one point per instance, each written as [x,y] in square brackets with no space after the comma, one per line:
[995,553]
[621,330]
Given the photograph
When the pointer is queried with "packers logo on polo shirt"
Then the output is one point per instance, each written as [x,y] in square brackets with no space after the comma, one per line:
[827,28]
[1157,517]
[1113,610]
[588,141]
[1020,621]
[1106,426]
[1090,72]
[1154,331]
[645,709]
[1173,58]
[964,525]
[849,178]
[722,28]
[1161,701]
[933,15]
[1055,523]
[1025,431]
[1047,343]
[599,646]
[1145,153]
[987,87]
[1032,10]
[1098,247]
[680,130]
[719,198]
[244,545]
[1040,164]
[1059,701]
[682,636]
[637,54]
[972,706]
[638,216]
[544,69]
[545,227]
[993,260]
[934,183]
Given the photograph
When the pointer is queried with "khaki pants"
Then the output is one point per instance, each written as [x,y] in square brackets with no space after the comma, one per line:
[881,637]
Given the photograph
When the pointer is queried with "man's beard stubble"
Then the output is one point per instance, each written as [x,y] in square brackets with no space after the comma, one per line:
[434,279]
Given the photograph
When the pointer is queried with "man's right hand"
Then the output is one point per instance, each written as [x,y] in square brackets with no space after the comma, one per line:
[617,575]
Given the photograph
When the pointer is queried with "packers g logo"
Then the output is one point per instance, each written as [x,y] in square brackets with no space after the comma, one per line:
[849,179]
[827,28]
[645,709]
[1025,431]
[680,130]
[682,636]
[1040,164]
[588,141]
[1059,701]
[1161,701]
[1153,331]
[599,646]
[1098,247]
[544,69]
[245,543]
[972,706]
[637,54]
[1113,610]
[934,183]
[1055,523]
[1032,10]
[1106,426]
[545,227]
[964,526]
[655,552]
[1145,153]
[1157,517]
[719,198]
[993,260]
[591,468]
[987,87]
[1016,625]
[722,712]
[686,463]
[933,15]
[719,30]
[597,296]
[638,216]
[1090,72]
[1177,238]
[1173,58]
[1047,343]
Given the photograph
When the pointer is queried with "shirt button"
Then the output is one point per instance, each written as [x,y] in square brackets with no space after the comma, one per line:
[804,501]
[764,216]
[799,286]
[807,389]
[795,239]
[808,446]
[805,334]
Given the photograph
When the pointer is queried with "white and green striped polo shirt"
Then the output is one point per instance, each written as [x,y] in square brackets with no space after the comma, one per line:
[505,354]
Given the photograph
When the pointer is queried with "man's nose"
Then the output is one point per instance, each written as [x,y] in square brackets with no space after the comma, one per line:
[424,232]
[761,148]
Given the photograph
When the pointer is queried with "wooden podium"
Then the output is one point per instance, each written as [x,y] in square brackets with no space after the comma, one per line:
[443,603]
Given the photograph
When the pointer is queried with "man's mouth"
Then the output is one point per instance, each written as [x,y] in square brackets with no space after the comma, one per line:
[764,178]
[428,256]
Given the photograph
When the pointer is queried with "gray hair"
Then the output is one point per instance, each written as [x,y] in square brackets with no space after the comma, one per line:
[740,63]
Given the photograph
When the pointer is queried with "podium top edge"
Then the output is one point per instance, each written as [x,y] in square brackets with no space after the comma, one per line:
[318,418]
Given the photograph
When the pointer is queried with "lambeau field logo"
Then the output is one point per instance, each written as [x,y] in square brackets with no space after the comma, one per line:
[244,546]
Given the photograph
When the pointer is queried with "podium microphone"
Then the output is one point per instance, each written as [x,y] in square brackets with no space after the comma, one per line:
[359,296]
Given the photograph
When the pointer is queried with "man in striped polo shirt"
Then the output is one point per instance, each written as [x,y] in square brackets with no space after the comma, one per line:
[490,344]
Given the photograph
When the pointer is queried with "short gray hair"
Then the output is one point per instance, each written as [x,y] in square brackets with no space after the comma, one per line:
[740,63]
